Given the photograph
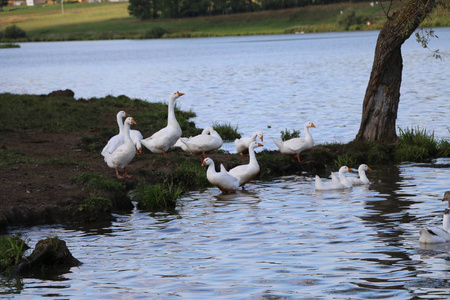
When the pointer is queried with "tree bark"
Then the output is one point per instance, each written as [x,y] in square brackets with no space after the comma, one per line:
[378,121]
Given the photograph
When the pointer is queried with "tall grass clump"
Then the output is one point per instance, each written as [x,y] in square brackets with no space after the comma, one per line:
[416,144]
[12,248]
[227,131]
[157,197]
[287,134]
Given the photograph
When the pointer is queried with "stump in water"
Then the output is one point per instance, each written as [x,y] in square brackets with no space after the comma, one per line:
[51,253]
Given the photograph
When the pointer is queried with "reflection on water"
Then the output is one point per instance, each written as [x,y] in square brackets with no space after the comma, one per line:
[277,239]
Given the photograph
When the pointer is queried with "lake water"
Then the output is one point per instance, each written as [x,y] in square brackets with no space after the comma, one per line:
[278,239]
[266,83]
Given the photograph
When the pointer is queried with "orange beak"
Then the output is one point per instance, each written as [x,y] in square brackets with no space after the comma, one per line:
[127,114]
[260,145]
[351,170]
[312,125]
[368,168]
[133,121]
[262,139]
[203,163]
[180,94]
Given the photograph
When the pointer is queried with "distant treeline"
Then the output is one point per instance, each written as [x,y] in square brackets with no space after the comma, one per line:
[152,9]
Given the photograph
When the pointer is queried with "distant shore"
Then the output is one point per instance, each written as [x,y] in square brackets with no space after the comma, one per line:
[107,20]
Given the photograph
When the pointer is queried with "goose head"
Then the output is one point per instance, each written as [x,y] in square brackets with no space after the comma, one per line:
[122,114]
[259,135]
[344,169]
[254,145]
[447,197]
[130,121]
[175,95]
[310,124]
[207,161]
[364,167]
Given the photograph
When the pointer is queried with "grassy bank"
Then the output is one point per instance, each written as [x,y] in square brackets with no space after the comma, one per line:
[53,145]
[92,21]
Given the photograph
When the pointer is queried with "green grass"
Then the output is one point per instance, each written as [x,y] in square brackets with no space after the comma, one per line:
[105,20]
[157,197]
[61,114]
[227,131]
[12,248]
[416,144]
[286,134]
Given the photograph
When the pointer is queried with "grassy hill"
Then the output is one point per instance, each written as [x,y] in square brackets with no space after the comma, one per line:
[92,21]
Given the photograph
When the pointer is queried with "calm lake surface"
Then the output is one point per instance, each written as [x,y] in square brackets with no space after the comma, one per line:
[277,239]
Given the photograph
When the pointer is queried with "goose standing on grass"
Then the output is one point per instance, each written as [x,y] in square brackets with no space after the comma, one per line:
[344,180]
[208,140]
[247,172]
[362,175]
[434,235]
[119,138]
[124,154]
[296,145]
[165,138]
[244,142]
[224,181]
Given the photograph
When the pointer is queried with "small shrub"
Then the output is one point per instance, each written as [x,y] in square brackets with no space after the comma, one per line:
[155,33]
[287,134]
[344,160]
[14,32]
[416,144]
[157,197]
[226,131]
[12,248]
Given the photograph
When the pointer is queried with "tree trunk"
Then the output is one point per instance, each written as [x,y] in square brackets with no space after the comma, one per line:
[383,90]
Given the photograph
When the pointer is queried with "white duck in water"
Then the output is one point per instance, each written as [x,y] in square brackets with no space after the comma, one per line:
[362,175]
[335,183]
[124,154]
[296,145]
[224,181]
[208,140]
[247,172]
[244,142]
[433,235]
[165,138]
[119,139]
[344,180]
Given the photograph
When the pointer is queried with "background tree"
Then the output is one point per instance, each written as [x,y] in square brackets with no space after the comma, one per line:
[378,122]
[3,3]
[143,9]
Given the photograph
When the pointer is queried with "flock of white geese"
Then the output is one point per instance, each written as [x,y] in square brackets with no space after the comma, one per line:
[121,149]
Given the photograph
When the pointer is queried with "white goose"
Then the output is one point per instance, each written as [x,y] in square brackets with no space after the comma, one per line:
[296,145]
[344,180]
[124,154]
[224,181]
[433,235]
[334,184]
[165,138]
[247,172]
[208,140]
[243,143]
[362,175]
[119,139]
